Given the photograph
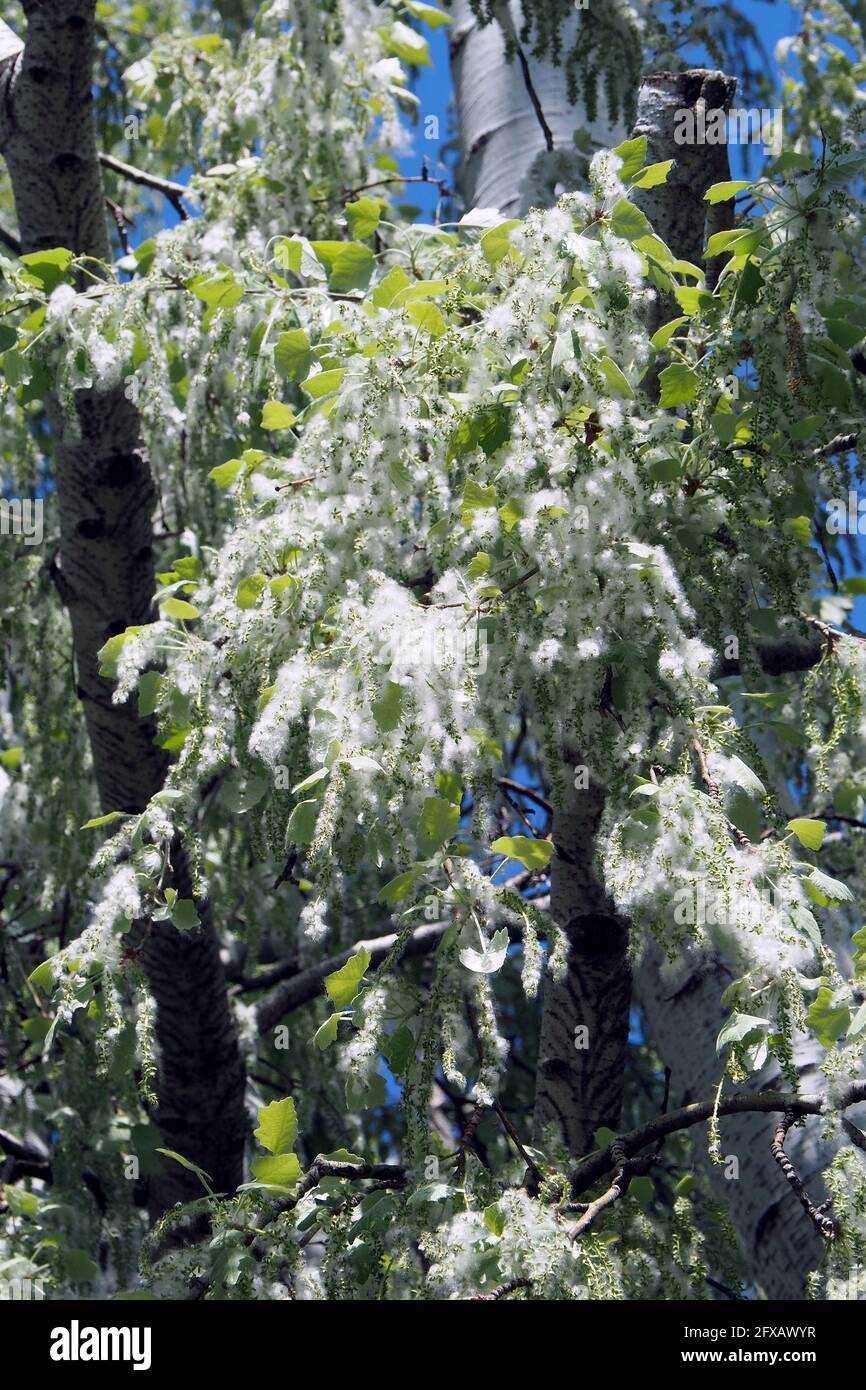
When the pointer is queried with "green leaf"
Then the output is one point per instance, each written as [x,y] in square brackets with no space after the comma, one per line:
[744,777]
[179,608]
[533,854]
[858,1022]
[342,985]
[827,891]
[642,1189]
[629,222]
[679,384]
[217,291]
[20,1203]
[438,823]
[43,977]
[149,686]
[694,301]
[364,1094]
[479,565]
[250,590]
[312,781]
[803,429]
[396,889]
[278,1126]
[79,1267]
[276,1170]
[745,814]
[399,1049]
[428,317]
[494,1218]
[662,337]
[847,335]
[615,378]
[241,793]
[326,1033]
[664,470]
[450,784]
[722,192]
[653,174]
[108,819]
[726,241]
[827,1020]
[511,512]
[810,833]
[419,289]
[364,216]
[226,473]
[48,267]
[276,416]
[293,355]
[405,44]
[390,287]
[388,707]
[633,156]
[184,915]
[739,1028]
[476,497]
[203,1177]
[496,242]
[301,829]
[110,653]
[428,14]
[324,383]
[349,264]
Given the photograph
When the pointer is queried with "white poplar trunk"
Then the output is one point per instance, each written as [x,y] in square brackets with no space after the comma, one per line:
[501,134]
[501,138]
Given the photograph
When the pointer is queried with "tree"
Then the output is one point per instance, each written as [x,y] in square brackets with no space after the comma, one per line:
[446,632]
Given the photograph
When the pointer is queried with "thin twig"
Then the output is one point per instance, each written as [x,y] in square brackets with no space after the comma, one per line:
[167,187]
[531,793]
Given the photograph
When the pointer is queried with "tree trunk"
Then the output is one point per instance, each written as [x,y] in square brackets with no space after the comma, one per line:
[106,577]
[501,135]
[778,1241]
[585,1016]
[511,116]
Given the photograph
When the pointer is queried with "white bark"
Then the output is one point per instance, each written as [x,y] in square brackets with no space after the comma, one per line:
[778,1241]
[501,137]
[501,133]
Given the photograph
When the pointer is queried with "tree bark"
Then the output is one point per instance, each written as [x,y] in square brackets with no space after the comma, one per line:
[106,578]
[684,1019]
[513,116]
[500,137]
[509,114]
[585,1015]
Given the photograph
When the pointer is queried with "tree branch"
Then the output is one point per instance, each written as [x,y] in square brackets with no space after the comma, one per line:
[167,187]
[826,1227]
[302,986]
[602,1161]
